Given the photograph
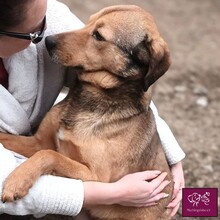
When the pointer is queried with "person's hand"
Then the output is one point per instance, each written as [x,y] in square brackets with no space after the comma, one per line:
[179,183]
[135,190]
[131,190]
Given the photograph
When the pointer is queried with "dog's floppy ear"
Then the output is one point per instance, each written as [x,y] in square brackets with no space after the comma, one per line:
[159,61]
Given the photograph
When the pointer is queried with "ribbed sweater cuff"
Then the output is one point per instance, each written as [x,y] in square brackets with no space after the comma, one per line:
[172,149]
[56,195]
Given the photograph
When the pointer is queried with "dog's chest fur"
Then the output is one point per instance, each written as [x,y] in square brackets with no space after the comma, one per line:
[119,127]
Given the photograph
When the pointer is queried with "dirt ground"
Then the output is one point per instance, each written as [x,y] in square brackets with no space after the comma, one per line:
[188,96]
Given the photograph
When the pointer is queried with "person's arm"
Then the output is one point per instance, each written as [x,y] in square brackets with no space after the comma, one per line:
[58,195]
[137,189]
[174,155]
[179,183]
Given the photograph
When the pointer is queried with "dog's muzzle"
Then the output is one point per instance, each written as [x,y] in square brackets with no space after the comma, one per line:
[51,44]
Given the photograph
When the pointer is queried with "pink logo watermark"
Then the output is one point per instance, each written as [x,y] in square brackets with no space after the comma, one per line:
[200,202]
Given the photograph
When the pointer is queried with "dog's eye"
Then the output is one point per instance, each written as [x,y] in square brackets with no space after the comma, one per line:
[98,36]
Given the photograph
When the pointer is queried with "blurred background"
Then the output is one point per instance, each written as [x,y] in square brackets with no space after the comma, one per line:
[188,95]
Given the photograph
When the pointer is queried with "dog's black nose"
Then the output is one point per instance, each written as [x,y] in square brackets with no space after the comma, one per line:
[51,43]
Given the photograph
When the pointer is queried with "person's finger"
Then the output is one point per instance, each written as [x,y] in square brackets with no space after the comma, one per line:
[147,175]
[158,197]
[155,183]
[160,187]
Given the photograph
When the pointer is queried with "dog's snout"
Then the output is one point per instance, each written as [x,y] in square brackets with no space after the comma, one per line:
[51,43]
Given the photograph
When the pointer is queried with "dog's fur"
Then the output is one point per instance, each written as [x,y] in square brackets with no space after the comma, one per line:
[104,128]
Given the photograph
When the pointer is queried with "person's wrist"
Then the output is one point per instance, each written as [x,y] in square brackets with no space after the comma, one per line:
[97,193]
[115,194]
[177,165]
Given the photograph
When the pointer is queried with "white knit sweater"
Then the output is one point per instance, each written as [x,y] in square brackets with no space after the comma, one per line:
[49,195]
[34,84]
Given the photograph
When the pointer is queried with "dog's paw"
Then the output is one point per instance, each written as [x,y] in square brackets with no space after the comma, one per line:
[15,189]
[18,183]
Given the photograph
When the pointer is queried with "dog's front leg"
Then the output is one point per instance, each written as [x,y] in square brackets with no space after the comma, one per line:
[26,146]
[29,145]
[44,138]
[24,176]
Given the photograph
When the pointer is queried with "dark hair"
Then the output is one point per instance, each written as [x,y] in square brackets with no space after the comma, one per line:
[12,13]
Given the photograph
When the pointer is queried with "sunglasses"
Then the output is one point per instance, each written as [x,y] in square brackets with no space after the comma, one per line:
[35,37]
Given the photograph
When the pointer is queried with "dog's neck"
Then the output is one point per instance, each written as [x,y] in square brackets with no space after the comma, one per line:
[100,79]
[107,94]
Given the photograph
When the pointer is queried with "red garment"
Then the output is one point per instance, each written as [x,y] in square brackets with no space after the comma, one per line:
[3,75]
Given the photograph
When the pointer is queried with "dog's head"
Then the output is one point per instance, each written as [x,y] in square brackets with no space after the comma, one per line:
[120,40]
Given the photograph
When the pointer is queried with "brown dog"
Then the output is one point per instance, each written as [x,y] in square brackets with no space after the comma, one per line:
[104,128]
